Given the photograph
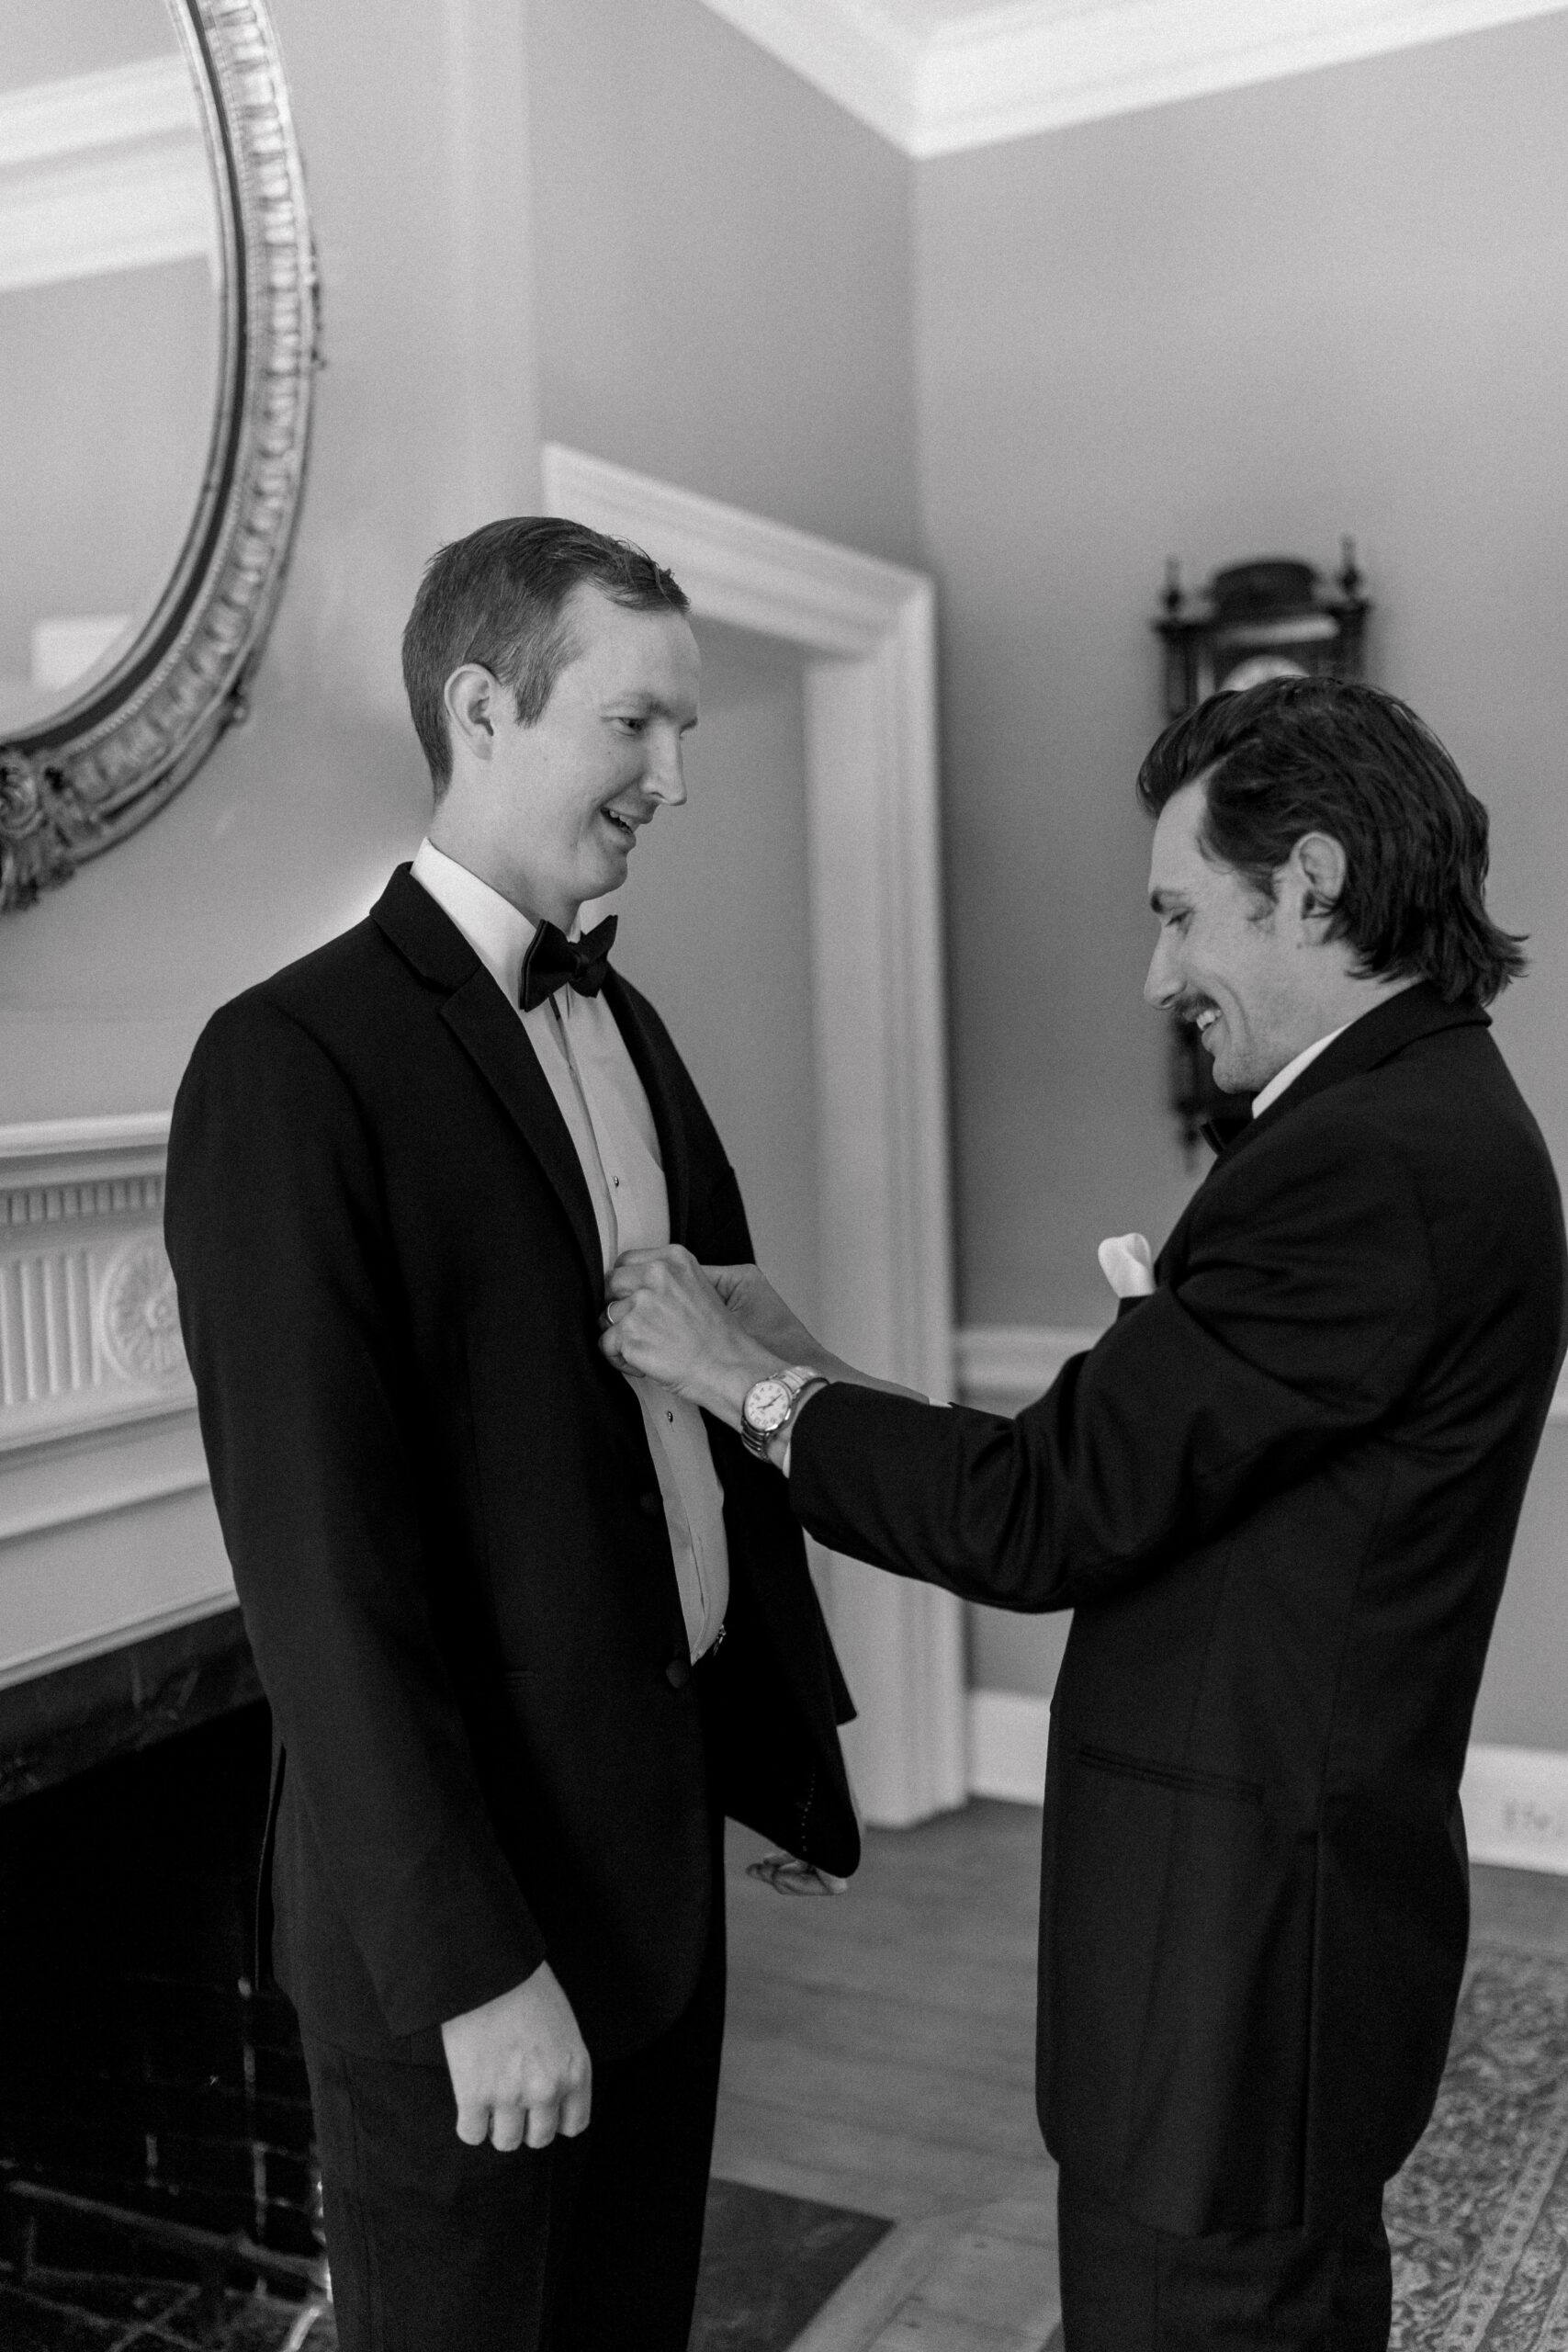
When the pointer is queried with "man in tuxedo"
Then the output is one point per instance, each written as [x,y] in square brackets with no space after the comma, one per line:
[528,1627]
[1279,1497]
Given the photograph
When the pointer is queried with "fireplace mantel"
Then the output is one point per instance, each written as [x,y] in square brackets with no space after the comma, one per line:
[108,1533]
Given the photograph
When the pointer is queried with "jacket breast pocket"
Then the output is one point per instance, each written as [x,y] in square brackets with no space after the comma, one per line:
[1171,1776]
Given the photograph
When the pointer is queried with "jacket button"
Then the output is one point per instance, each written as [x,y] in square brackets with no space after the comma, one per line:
[651,1505]
[678,1673]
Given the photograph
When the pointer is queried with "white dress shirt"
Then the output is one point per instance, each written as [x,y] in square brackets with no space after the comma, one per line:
[1293,1070]
[601,1097]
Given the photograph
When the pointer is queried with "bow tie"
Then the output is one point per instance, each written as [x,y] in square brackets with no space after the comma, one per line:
[1221,1131]
[554,961]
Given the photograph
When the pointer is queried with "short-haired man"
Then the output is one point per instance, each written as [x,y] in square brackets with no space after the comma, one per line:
[487,1578]
[1279,1497]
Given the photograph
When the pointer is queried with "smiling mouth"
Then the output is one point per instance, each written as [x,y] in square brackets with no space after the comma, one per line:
[623,825]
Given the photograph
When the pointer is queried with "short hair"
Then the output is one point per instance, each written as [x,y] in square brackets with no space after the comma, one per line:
[499,598]
[1331,755]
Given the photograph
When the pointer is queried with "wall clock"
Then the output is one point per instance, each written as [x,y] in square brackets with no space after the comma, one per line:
[1266,618]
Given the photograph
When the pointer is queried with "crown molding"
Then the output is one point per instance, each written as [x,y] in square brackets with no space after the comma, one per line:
[850,51]
[151,99]
[1002,72]
[103,172]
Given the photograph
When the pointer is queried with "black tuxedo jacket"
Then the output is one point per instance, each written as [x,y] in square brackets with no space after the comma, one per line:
[444,1522]
[1278,1496]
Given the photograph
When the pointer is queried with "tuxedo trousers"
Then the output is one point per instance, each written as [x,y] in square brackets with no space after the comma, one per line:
[591,2245]
[1127,2288]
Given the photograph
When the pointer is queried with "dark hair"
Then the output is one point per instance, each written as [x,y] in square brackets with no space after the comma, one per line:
[1303,755]
[499,598]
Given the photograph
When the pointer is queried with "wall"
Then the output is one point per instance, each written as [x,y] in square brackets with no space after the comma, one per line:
[1240,324]
[723,272]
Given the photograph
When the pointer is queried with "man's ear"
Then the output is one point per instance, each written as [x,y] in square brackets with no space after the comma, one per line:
[469,696]
[1318,867]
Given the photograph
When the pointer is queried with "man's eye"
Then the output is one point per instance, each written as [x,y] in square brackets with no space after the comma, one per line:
[634,726]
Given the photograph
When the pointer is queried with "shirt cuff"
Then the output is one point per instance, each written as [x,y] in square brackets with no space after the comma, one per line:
[778,1450]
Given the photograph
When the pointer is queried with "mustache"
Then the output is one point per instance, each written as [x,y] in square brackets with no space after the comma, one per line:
[1190,1005]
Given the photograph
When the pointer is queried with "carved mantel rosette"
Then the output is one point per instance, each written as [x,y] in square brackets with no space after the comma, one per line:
[89,1322]
[81,780]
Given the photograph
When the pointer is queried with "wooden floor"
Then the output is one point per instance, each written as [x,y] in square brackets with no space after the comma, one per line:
[880,2056]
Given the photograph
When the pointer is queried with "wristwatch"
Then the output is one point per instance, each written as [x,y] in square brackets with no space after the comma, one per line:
[768,1404]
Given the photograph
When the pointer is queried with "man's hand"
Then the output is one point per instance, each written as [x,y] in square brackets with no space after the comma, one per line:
[758,1308]
[710,1331]
[665,1322]
[520,2068]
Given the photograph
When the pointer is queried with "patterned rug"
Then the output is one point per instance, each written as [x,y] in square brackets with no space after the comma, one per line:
[1478,2220]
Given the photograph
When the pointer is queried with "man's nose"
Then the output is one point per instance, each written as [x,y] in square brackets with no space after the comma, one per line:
[665,776]
[1161,988]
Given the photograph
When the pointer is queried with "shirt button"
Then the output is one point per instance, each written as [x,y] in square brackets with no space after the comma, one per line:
[678,1673]
[651,1505]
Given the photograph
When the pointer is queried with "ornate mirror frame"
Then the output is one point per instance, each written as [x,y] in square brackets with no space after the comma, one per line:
[77,782]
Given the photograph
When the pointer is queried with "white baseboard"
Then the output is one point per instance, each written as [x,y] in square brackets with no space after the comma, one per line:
[1515,1799]
[1516,1807]
[1003,1367]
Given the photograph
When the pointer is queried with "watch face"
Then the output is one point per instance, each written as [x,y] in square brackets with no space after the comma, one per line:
[767,1406]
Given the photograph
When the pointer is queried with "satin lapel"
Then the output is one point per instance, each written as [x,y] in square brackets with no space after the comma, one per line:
[491,1033]
[651,1060]
[1376,1037]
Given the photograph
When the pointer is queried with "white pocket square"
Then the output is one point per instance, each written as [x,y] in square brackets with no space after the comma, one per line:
[1128,1265]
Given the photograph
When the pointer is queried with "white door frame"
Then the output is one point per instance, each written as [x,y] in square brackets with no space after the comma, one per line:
[867,629]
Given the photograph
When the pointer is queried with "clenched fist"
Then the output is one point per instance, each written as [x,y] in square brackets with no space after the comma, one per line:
[520,2067]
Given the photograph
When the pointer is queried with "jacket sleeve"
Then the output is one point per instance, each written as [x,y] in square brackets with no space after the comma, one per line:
[1295,1328]
[290,1304]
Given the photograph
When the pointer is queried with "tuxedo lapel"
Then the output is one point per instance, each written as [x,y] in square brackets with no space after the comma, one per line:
[480,1018]
[1376,1037]
[492,1034]
[650,1059]
[1379,1035]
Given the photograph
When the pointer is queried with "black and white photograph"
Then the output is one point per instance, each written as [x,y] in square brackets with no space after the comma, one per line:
[783,1086]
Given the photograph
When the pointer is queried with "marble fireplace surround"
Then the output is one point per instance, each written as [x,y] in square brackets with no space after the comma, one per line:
[107,1528]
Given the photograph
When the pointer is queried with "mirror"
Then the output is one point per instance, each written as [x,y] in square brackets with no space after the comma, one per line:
[157,333]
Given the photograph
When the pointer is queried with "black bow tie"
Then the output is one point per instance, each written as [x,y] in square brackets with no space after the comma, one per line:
[1234,1119]
[554,961]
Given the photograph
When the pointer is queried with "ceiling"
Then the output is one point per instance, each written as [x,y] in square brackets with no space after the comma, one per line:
[939,76]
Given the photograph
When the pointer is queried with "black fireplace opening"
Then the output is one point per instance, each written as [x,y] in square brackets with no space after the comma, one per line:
[143,2066]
